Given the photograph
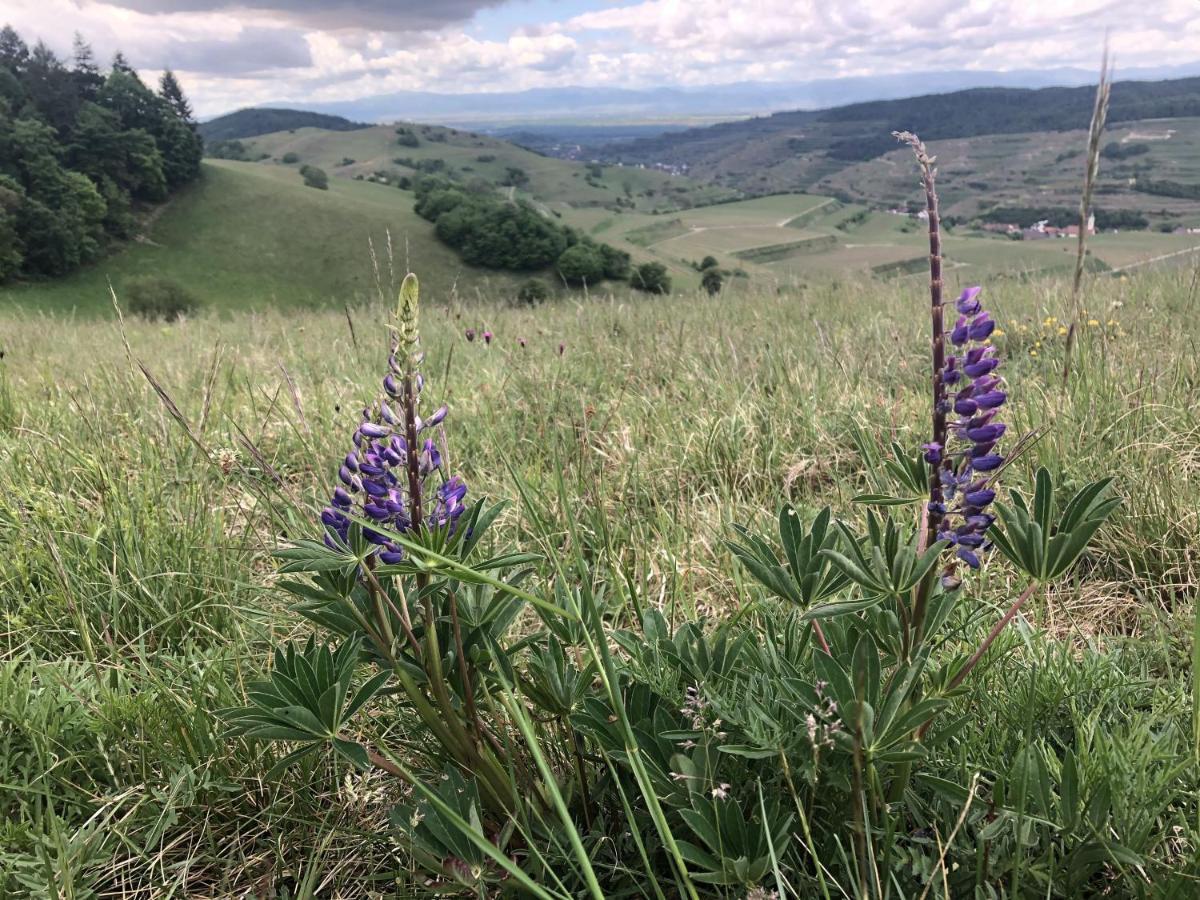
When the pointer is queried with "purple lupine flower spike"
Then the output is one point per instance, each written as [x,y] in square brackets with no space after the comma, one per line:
[967,462]
[379,481]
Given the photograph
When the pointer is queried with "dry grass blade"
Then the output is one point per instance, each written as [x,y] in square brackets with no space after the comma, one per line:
[1095,132]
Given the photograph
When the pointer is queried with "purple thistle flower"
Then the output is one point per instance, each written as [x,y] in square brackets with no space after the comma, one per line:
[487,338]
[380,479]
[469,334]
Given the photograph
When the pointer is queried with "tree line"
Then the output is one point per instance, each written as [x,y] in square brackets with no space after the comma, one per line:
[81,150]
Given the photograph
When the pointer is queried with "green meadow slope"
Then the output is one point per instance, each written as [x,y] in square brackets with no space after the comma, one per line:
[557,183]
[251,235]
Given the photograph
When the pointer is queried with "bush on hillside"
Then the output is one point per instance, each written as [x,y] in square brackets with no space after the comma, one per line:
[581,265]
[533,292]
[1117,150]
[290,158]
[315,178]
[652,277]
[154,298]
[712,281]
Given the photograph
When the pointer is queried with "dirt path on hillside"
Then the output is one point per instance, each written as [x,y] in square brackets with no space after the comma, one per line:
[143,235]
[1154,259]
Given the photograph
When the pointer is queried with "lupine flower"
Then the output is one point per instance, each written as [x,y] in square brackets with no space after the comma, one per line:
[964,465]
[487,338]
[381,480]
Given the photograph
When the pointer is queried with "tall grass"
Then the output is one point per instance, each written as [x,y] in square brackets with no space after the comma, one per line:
[135,583]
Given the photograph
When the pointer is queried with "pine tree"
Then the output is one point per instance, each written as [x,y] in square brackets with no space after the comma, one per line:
[85,71]
[14,54]
[84,57]
[171,91]
[121,64]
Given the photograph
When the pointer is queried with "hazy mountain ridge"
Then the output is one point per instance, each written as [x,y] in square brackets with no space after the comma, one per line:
[807,146]
[681,103]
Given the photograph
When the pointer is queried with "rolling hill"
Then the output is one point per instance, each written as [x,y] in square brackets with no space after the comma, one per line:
[797,150]
[262,120]
[251,236]
[404,149]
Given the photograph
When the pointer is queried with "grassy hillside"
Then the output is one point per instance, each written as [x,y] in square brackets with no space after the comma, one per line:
[554,182]
[248,235]
[140,596]
[251,235]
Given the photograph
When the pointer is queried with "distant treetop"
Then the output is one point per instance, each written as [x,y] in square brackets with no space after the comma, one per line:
[247,123]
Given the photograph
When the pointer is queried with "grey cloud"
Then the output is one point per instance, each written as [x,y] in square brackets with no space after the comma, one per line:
[252,50]
[382,15]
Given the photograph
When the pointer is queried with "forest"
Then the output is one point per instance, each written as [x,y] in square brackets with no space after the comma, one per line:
[82,152]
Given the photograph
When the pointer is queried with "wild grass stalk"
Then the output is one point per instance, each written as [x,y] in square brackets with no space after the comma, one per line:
[1095,133]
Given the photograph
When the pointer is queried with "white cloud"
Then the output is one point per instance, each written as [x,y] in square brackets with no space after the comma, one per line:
[237,52]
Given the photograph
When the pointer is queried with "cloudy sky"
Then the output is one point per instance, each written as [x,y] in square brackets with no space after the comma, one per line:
[233,53]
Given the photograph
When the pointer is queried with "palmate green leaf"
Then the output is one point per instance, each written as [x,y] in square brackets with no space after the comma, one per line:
[770,575]
[805,576]
[313,556]
[304,699]
[1033,541]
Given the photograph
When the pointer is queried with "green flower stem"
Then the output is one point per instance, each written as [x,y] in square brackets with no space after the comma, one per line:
[993,634]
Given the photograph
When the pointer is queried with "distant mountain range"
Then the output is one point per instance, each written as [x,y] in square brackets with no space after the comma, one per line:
[483,111]
[797,149]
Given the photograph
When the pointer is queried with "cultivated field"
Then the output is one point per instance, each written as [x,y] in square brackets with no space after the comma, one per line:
[140,599]
[1041,169]
[785,237]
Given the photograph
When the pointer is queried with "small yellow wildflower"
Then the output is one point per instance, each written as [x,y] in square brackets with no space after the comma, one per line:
[1037,344]
[1062,329]
[999,332]
[1112,323]
[1033,353]
[1093,322]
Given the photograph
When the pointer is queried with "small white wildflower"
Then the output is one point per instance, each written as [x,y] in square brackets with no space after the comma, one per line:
[720,792]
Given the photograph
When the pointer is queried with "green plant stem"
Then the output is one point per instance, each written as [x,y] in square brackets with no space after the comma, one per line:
[808,838]
[993,634]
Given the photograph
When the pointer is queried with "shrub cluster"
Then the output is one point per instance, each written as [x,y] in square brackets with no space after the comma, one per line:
[153,297]
[315,177]
[1117,150]
[492,232]
[1061,216]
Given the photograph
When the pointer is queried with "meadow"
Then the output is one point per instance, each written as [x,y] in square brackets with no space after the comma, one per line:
[219,239]
[150,470]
